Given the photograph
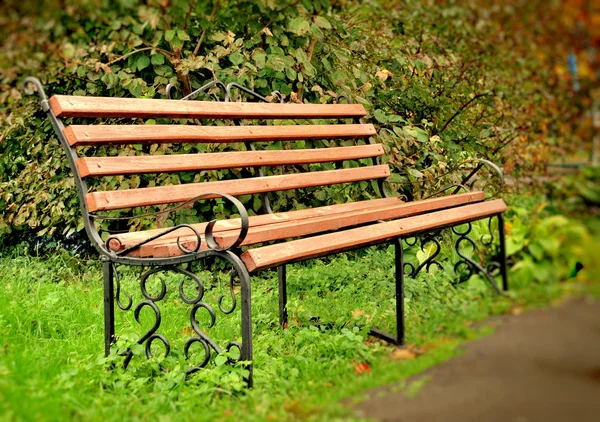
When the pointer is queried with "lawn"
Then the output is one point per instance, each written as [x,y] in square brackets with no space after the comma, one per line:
[52,366]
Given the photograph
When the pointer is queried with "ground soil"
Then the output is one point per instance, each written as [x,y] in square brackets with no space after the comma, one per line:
[542,365]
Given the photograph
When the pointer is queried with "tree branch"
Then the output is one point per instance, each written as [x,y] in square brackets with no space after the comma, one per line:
[464,106]
[210,19]
[131,53]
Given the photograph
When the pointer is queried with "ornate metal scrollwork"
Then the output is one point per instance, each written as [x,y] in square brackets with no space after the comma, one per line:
[118,291]
[196,302]
[470,265]
[150,335]
[232,294]
[430,238]
[170,89]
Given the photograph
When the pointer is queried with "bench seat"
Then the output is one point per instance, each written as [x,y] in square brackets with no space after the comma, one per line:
[327,244]
[285,225]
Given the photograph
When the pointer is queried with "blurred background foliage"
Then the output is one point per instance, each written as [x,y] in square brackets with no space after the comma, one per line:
[444,81]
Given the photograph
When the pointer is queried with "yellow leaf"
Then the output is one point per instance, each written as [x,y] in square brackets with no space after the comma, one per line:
[516,310]
[402,354]
[357,313]
[383,74]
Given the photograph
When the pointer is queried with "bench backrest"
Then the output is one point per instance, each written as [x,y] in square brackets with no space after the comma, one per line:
[119,134]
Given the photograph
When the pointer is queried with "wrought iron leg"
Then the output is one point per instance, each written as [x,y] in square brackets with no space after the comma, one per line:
[502,258]
[282,278]
[109,306]
[399,261]
[399,281]
[246,292]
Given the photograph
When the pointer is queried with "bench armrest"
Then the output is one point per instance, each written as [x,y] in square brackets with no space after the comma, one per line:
[114,243]
[464,184]
[170,88]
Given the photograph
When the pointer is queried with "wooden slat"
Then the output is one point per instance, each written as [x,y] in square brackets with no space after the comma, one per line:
[313,225]
[79,106]
[140,134]
[298,250]
[354,218]
[129,239]
[108,166]
[129,198]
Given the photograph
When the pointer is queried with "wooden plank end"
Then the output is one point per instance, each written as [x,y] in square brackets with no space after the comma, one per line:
[92,202]
[69,133]
[248,260]
[82,167]
[55,105]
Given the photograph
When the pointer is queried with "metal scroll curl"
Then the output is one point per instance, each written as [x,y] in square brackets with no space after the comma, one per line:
[149,336]
[201,337]
[231,293]
[228,97]
[113,243]
[467,263]
[171,89]
[208,233]
[410,269]
[118,292]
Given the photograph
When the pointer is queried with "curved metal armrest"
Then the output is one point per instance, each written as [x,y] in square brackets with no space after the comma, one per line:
[39,88]
[170,87]
[250,92]
[463,184]
[483,162]
[208,232]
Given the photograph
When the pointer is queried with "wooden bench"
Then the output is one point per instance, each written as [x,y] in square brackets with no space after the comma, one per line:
[248,243]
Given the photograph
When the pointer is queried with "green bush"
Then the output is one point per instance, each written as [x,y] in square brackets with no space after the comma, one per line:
[438,80]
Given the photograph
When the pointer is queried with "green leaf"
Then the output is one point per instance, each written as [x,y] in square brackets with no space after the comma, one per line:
[220,360]
[182,35]
[316,31]
[259,58]
[416,173]
[380,116]
[236,58]
[299,26]
[169,35]
[142,62]
[290,73]
[137,349]
[536,251]
[513,246]
[176,42]
[322,22]
[158,59]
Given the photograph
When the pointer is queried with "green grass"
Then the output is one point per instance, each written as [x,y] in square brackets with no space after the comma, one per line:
[52,368]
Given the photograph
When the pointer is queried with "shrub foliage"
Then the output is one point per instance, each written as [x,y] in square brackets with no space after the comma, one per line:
[443,82]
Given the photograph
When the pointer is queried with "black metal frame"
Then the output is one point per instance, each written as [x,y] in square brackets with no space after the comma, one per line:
[231,254]
[111,258]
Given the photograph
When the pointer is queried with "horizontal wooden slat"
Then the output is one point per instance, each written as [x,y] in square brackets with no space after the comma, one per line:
[139,134]
[313,225]
[129,198]
[298,250]
[309,226]
[79,106]
[107,166]
[126,240]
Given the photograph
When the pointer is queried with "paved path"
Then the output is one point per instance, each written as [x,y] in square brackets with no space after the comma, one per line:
[539,366]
